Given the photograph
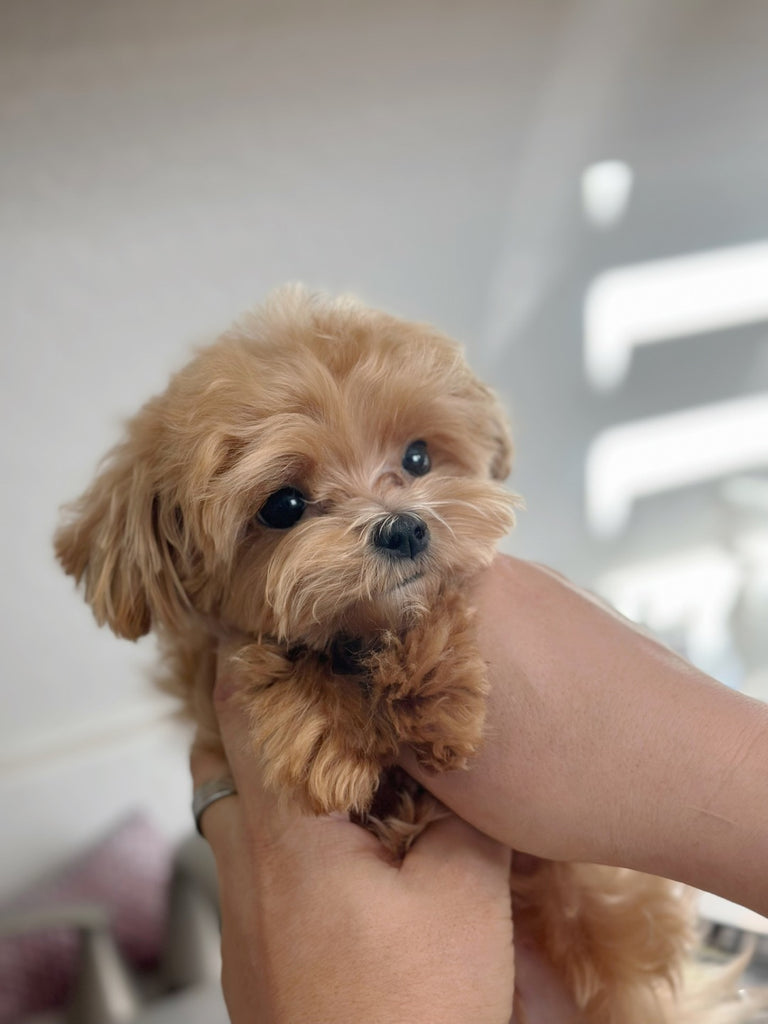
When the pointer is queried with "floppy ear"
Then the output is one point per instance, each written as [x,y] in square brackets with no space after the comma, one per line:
[501,439]
[114,540]
[489,425]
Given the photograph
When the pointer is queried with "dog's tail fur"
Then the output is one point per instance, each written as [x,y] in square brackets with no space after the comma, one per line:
[715,994]
[625,944]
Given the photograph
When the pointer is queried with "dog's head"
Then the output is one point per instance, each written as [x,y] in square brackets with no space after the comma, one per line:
[320,470]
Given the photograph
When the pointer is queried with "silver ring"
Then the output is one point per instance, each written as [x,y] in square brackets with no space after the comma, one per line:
[209,793]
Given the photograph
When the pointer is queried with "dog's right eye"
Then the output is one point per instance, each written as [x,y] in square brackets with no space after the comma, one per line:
[283,509]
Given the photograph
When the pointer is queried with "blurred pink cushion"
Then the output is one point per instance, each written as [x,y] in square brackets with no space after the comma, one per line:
[127,874]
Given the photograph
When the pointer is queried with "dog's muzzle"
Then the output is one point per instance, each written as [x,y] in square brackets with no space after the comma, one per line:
[401,536]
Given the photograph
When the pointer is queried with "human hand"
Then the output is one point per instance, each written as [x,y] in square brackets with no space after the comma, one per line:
[318,926]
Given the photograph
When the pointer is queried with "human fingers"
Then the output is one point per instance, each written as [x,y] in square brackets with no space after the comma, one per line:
[219,817]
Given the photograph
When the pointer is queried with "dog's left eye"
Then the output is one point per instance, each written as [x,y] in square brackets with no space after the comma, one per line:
[283,509]
[416,460]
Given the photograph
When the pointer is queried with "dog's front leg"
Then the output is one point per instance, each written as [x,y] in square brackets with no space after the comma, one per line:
[431,684]
[312,730]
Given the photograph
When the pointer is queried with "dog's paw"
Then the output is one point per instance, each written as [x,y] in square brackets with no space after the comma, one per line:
[316,765]
[443,719]
[312,732]
[446,735]
[315,758]
[332,784]
[431,684]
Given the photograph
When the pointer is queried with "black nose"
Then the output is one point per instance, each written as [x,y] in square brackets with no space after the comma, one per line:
[403,536]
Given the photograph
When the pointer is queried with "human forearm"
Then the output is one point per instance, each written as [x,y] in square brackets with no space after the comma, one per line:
[709,827]
[603,746]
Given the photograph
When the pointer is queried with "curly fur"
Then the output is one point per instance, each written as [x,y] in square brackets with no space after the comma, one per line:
[346,653]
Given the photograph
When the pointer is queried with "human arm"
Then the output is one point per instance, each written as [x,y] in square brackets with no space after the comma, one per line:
[603,746]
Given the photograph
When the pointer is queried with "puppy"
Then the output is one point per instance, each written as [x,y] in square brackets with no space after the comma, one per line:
[321,483]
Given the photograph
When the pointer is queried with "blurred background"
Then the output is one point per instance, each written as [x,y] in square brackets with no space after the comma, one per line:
[576,189]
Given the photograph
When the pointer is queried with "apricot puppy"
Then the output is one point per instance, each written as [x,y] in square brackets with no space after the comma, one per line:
[320,484]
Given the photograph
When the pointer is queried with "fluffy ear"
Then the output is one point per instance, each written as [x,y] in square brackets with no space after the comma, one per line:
[503,450]
[113,539]
[489,425]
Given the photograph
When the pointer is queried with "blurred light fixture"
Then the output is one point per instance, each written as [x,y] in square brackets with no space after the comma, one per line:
[650,456]
[605,191]
[670,298]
